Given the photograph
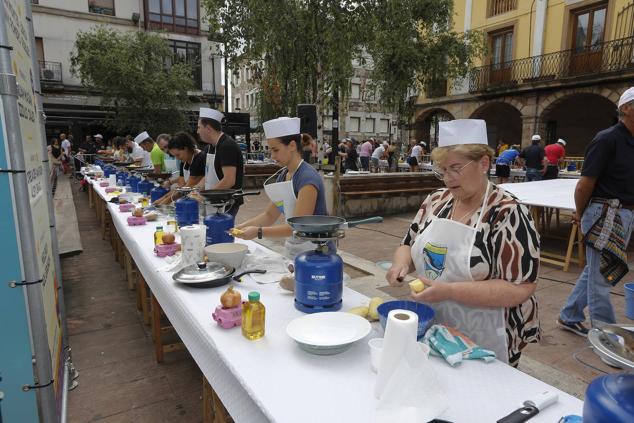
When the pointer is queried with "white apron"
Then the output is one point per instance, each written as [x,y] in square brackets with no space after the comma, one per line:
[171,165]
[442,252]
[283,196]
[211,179]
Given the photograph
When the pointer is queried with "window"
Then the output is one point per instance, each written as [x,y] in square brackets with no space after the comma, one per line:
[384,125]
[369,94]
[355,91]
[173,15]
[186,52]
[497,7]
[355,123]
[369,125]
[501,46]
[237,105]
[103,7]
[39,48]
[589,27]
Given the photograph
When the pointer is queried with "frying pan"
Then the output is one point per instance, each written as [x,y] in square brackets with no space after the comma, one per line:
[319,224]
[209,275]
[224,195]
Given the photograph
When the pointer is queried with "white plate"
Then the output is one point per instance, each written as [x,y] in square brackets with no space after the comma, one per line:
[328,333]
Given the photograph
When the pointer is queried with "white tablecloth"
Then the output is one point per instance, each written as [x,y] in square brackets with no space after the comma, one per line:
[273,380]
[553,193]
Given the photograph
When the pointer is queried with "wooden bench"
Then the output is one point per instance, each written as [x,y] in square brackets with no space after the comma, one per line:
[256,174]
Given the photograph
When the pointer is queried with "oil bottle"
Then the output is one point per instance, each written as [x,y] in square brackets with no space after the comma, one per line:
[253,317]
[158,236]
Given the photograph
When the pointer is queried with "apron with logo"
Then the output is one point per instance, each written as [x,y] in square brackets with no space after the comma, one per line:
[442,252]
[283,196]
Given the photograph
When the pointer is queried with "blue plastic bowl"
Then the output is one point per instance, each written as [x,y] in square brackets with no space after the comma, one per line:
[425,313]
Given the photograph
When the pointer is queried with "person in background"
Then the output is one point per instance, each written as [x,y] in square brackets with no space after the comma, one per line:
[501,147]
[555,154]
[380,153]
[138,154]
[504,163]
[351,156]
[474,247]
[365,153]
[392,159]
[224,168]
[533,158]
[55,157]
[307,149]
[99,142]
[604,200]
[157,157]
[88,149]
[415,156]
[121,149]
[295,190]
[65,144]
[162,141]
[192,164]
[424,150]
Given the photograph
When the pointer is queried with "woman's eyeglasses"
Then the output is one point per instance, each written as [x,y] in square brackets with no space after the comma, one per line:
[453,171]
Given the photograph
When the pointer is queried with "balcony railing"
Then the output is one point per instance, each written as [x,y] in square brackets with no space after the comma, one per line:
[608,57]
[50,72]
[497,7]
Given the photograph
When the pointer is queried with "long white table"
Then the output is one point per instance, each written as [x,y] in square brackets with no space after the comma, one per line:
[558,194]
[273,380]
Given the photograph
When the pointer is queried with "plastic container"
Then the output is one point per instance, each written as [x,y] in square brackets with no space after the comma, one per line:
[610,399]
[253,316]
[218,224]
[629,300]
[157,192]
[425,313]
[186,211]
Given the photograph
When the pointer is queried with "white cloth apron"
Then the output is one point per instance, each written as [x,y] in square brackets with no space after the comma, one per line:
[442,252]
[211,179]
[283,196]
[171,165]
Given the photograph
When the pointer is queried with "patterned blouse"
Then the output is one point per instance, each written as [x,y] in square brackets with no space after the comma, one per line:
[506,247]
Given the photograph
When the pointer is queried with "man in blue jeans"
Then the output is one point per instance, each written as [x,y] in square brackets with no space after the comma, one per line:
[607,176]
[533,157]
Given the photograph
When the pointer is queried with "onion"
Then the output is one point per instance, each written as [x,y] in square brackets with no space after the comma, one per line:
[230,298]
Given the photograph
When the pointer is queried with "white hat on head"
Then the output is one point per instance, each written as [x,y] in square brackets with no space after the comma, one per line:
[626,97]
[281,127]
[462,131]
[141,137]
[536,138]
[206,112]
[562,142]
[99,136]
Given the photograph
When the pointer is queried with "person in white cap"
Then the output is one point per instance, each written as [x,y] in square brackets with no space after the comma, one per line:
[533,158]
[604,199]
[138,154]
[296,190]
[474,247]
[224,165]
[157,156]
[555,155]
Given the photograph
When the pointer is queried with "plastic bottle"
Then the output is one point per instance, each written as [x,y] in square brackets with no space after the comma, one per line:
[158,236]
[253,314]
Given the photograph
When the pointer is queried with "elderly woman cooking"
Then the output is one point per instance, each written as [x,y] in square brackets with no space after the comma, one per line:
[474,247]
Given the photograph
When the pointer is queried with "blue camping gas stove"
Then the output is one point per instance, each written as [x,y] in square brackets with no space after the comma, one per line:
[319,274]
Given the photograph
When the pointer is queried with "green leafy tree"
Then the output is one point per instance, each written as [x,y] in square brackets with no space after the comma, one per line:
[137,76]
[415,49]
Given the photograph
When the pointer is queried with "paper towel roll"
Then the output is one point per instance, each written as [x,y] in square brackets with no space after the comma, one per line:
[400,330]
[192,244]
[112,180]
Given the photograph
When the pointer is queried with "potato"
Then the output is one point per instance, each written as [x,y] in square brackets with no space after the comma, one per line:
[359,311]
[375,302]
[417,285]
[288,283]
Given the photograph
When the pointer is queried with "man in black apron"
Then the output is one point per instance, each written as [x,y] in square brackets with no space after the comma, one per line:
[224,166]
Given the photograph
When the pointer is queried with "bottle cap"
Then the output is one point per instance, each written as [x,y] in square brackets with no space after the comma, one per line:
[254,296]
[158,228]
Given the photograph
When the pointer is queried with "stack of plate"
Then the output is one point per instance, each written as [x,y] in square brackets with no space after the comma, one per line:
[328,333]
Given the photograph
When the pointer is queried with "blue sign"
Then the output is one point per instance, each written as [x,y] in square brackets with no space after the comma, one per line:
[16,368]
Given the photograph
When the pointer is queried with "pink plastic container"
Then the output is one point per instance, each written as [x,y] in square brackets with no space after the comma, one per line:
[104,184]
[127,207]
[136,221]
[228,318]
[164,250]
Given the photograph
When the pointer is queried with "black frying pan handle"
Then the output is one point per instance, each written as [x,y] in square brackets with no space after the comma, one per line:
[246,272]
[353,223]
[242,194]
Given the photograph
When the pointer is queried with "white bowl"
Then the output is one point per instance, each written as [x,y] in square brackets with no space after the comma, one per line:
[227,253]
[328,333]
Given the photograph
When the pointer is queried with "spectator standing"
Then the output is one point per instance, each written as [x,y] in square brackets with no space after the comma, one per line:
[604,200]
[533,157]
[555,154]
[379,153]
[504,163]
[365,154]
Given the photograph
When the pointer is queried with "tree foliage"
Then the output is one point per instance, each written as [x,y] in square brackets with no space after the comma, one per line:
[135,73]
[301,50]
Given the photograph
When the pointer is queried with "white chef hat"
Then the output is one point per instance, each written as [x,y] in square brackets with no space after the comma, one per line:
[536,138]
[206,112]
[141,137]
[462,131]
[281,127]
[626,97]
[99,136]
[561,141]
